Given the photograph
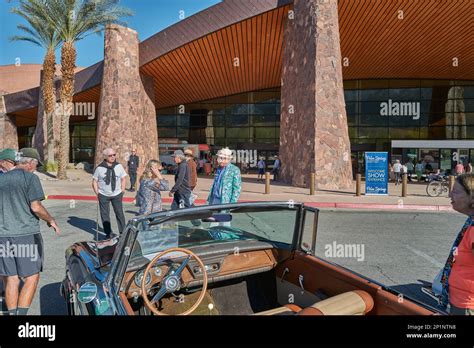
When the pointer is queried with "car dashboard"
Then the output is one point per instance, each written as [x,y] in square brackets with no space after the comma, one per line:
[222,262]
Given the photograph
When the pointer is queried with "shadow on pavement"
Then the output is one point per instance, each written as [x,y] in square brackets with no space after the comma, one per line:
[51,301]
[87,225]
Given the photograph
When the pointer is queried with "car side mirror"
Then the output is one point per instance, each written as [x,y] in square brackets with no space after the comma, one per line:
[87,292]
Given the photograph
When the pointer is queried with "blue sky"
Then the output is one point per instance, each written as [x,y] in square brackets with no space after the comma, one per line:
[150,17]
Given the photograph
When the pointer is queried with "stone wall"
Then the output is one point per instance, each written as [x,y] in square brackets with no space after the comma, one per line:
[40,140]
[127,115]
[314,135]
[8,132]
[40,137]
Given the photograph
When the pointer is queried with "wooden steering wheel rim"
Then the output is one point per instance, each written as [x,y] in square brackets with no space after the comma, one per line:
[150,305]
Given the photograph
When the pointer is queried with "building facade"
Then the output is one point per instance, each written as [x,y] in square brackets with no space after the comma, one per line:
[296,78]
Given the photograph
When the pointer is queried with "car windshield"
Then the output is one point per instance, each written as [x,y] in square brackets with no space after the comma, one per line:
[271,224]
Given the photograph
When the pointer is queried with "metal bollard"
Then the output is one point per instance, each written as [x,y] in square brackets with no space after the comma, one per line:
[452,180]
[312,184]
[404,185]
[267,183]
[358,184]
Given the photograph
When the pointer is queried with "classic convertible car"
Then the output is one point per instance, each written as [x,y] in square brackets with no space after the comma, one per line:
[234,259]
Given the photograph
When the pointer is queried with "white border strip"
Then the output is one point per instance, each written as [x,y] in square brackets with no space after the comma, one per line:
[434,144]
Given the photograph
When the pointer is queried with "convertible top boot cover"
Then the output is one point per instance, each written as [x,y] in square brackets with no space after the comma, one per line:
[357,302]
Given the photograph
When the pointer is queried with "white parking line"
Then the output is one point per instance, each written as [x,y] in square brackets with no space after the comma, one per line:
[425,256]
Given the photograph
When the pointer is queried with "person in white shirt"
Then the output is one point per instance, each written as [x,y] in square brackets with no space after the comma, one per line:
[397,169]
[108,183]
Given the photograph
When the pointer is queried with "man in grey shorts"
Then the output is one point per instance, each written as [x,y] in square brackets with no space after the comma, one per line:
[21,245]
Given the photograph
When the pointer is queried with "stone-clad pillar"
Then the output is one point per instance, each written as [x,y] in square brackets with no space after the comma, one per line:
[40,137]
[314,135]
[127,115]
[8,132]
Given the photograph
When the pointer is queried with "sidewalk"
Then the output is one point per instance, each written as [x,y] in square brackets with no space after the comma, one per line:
[79,187]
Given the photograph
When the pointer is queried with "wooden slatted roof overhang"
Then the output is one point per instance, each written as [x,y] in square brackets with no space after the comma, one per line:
[407,39]
[241,57]
[193,59]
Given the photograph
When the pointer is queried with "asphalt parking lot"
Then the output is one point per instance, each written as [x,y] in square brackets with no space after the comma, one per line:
[400,249]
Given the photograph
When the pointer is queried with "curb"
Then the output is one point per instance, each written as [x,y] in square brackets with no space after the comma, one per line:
[331,205]
[380,206]
[94,199]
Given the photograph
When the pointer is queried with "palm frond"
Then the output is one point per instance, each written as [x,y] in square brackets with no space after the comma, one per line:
[25,38]
[88,16]
[35,13]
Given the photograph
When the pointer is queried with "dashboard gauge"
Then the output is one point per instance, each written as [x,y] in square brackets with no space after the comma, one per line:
[139,278]
[158,271]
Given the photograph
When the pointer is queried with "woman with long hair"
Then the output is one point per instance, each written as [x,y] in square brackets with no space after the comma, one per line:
[152,183]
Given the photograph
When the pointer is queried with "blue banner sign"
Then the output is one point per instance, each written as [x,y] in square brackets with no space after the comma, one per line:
[376,173]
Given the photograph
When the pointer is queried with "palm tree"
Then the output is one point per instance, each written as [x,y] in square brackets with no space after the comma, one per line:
[74,20]
[40,33]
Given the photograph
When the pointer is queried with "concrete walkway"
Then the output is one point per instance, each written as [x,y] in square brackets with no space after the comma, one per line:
[79,187]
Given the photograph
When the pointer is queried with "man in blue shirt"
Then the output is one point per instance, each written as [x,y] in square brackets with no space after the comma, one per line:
[261,169]
[276,168]
[227,183]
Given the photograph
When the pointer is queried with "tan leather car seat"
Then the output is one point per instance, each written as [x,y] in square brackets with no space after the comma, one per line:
[357,302]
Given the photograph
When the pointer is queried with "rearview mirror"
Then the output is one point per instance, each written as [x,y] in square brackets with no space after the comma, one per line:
[218,218]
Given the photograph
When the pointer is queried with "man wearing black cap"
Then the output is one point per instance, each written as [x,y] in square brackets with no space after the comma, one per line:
[21,244]
[181,191]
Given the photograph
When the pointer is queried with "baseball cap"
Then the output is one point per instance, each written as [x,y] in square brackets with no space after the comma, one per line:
[178,153]
[8,155]
[31,153]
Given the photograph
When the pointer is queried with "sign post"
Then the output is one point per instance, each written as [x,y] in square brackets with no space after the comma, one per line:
[376,173]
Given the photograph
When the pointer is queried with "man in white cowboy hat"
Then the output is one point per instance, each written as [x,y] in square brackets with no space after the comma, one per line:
[227,181]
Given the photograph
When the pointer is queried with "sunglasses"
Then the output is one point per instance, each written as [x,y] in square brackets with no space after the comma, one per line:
[112,155]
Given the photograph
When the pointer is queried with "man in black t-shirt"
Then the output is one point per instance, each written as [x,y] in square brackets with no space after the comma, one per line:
[133,164]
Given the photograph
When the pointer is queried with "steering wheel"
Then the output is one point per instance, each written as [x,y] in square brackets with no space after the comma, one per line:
[172,281]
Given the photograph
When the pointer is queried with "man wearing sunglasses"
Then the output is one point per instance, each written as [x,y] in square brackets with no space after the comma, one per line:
[108,184]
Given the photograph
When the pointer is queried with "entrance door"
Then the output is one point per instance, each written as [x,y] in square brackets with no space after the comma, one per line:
[463,155]
[358,162]
[446,160]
